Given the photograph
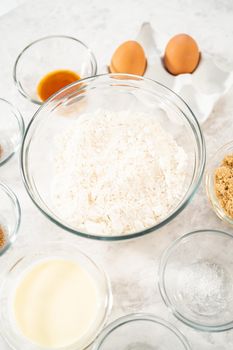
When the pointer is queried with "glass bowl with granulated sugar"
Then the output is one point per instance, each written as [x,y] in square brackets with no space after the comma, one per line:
[10,217]
[219,182]
[113,157]
[196,280]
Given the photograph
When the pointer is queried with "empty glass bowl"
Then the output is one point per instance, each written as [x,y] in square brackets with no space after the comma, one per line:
[114,93]
[49,54]
[10,217]
[11,130]
[28,256]
[212,165]
[196,280]
[140,332]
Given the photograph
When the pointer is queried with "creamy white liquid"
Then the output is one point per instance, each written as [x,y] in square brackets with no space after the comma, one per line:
[55,303]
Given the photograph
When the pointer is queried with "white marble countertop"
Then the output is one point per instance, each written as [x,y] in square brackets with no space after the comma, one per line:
[132,266]
[9,5]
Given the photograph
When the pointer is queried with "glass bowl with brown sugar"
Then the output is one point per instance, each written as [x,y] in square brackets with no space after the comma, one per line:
[219,182]
[10,217]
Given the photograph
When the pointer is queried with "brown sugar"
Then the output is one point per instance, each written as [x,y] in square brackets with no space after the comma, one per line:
[2,237]
[223,184]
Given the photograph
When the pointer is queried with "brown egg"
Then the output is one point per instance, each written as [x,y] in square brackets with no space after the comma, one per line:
[181,54]
[129,58]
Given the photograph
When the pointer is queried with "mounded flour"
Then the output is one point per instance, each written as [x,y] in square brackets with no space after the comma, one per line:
[116,173]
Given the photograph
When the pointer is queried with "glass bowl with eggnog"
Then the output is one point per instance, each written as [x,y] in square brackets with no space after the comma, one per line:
[113,157]
[53,297]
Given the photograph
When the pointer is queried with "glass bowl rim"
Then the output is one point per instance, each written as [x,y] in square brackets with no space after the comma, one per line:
[55,36]
[110,328]
[18,116]
[13,235]
[215,205]
[26,251]
[162,285]
[179,208]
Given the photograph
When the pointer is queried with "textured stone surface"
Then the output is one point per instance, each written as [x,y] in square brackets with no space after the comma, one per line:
[132,266]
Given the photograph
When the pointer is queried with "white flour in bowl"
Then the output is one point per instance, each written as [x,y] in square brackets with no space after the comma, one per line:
[116,173]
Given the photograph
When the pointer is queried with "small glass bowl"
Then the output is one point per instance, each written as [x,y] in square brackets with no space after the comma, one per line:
[196,280]
[11,130]
[26,258]
[140,332]
[49,54]
[10,217]
[212,165]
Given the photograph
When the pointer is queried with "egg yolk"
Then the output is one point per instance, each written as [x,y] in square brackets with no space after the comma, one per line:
[54,81]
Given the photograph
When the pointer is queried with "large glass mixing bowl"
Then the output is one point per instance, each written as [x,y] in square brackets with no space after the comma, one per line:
[115,93]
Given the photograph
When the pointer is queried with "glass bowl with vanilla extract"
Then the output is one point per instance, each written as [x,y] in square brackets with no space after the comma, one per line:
[50,63]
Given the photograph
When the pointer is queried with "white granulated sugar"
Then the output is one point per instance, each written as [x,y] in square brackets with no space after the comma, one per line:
[116,173]
[203,287]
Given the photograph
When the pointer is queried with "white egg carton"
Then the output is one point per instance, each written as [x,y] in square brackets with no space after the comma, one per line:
[201,90]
